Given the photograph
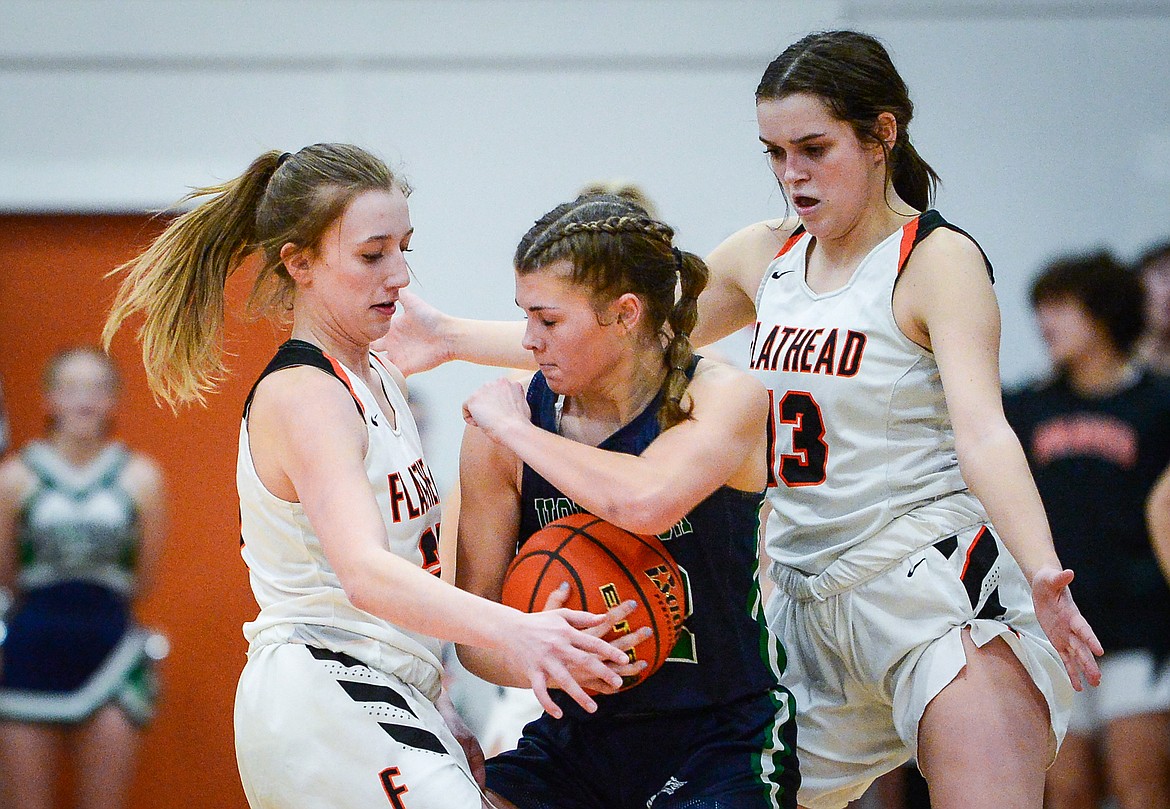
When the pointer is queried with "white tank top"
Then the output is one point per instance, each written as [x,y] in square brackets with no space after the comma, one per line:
[859,430]
[299,594]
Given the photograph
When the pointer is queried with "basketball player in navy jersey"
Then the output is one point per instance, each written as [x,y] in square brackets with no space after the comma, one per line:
[1097,436]
[948,640]
[339,703]
[623,421]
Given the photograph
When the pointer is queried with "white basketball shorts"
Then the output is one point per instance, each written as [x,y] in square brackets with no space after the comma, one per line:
[319,728]
[876,636]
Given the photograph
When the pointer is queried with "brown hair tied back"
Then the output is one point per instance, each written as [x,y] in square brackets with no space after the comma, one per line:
[178,282]
[615,247]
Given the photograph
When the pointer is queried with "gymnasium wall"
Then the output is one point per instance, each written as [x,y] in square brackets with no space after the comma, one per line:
[1047,120]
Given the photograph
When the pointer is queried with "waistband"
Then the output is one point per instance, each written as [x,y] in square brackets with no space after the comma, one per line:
[904,536]
[423,674]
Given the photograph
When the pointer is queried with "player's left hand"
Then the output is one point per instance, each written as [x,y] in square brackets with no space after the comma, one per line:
[496,405]
[1067,629]
[464,736]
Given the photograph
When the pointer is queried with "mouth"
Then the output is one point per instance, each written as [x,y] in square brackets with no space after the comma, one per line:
[804,203]
[385,307]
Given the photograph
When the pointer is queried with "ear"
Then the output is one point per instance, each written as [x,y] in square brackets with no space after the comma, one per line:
[629,310]
[885,129]
[296,260]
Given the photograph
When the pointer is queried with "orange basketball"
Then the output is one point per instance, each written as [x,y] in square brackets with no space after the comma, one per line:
[604,565]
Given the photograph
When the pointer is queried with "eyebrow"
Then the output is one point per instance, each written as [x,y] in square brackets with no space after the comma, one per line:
[536,308]
[798,141]
[381,237]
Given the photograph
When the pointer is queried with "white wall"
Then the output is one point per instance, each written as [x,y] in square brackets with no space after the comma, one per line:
[1047,120]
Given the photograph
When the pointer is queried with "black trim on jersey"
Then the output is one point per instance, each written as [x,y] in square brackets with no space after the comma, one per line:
[349,661]
[930,221]
[292,353]
[414,737]
[947,546]
[368,692]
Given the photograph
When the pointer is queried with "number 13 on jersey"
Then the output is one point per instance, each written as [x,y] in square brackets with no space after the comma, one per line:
[805,464]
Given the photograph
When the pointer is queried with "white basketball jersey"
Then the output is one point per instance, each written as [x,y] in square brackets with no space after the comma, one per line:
[299,594]
[859,429]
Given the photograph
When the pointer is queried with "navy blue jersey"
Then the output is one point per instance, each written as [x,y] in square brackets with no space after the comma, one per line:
[725,652]
[1095,461]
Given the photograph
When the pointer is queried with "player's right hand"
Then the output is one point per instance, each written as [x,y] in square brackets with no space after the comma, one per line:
[557,598]
[555,649]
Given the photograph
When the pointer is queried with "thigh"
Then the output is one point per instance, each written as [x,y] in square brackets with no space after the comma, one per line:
[743,756]
[559,764]
[105,749]
[317,728]
[29,754]
[984,741]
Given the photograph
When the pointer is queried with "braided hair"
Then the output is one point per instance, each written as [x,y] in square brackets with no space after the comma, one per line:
[616,247]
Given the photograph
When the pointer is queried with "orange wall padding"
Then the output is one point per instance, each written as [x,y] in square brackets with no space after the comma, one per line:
[53,294]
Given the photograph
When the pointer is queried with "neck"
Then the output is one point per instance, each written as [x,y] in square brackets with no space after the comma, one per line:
[352,355]
[616,400]
[1100,374]
[77,450]
[842,251]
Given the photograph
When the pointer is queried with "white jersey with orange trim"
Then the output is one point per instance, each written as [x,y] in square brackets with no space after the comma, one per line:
[859,429]
[300,596]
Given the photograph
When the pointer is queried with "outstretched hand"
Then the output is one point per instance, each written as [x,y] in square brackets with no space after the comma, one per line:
[556,649]
[556,600]
[416,340]
[1066,628]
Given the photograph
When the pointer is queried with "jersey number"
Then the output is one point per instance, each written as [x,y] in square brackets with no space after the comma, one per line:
[805,465]
[428,546]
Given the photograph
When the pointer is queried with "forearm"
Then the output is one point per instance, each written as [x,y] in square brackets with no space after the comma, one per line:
[624,489]
[397,591]
[997,473]
[490,665]
[488,342]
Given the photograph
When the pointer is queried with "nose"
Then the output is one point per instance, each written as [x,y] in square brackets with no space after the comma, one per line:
[530,342]
[399,274]
[793,170]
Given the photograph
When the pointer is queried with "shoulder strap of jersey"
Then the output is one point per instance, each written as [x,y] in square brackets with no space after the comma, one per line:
[298,352]
[914,231]
[542,403]
[791,241]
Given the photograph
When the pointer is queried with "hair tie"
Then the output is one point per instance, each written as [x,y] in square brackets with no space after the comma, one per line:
[678,259]
[280,160]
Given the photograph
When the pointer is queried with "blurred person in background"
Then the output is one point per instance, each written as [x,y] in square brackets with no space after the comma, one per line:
[1097,436]
[82,523]
[1154,346]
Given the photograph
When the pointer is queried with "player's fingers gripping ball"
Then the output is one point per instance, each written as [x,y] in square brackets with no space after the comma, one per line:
[604,565]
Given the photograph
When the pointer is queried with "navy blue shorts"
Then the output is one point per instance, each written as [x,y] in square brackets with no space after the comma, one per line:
[736,756]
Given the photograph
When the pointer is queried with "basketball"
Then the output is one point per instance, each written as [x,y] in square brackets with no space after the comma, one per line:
[604,565]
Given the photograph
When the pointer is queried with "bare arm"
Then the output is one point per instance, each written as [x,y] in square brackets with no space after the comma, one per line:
[305,422]
[722,443]
[16,483]
[945,302]
[737,266]
[1158,520]
[421,337]
[143,480]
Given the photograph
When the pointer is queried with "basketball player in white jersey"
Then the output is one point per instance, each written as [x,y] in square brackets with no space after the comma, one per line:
[339,703]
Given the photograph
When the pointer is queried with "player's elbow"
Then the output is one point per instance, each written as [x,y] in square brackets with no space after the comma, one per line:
[647,514]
